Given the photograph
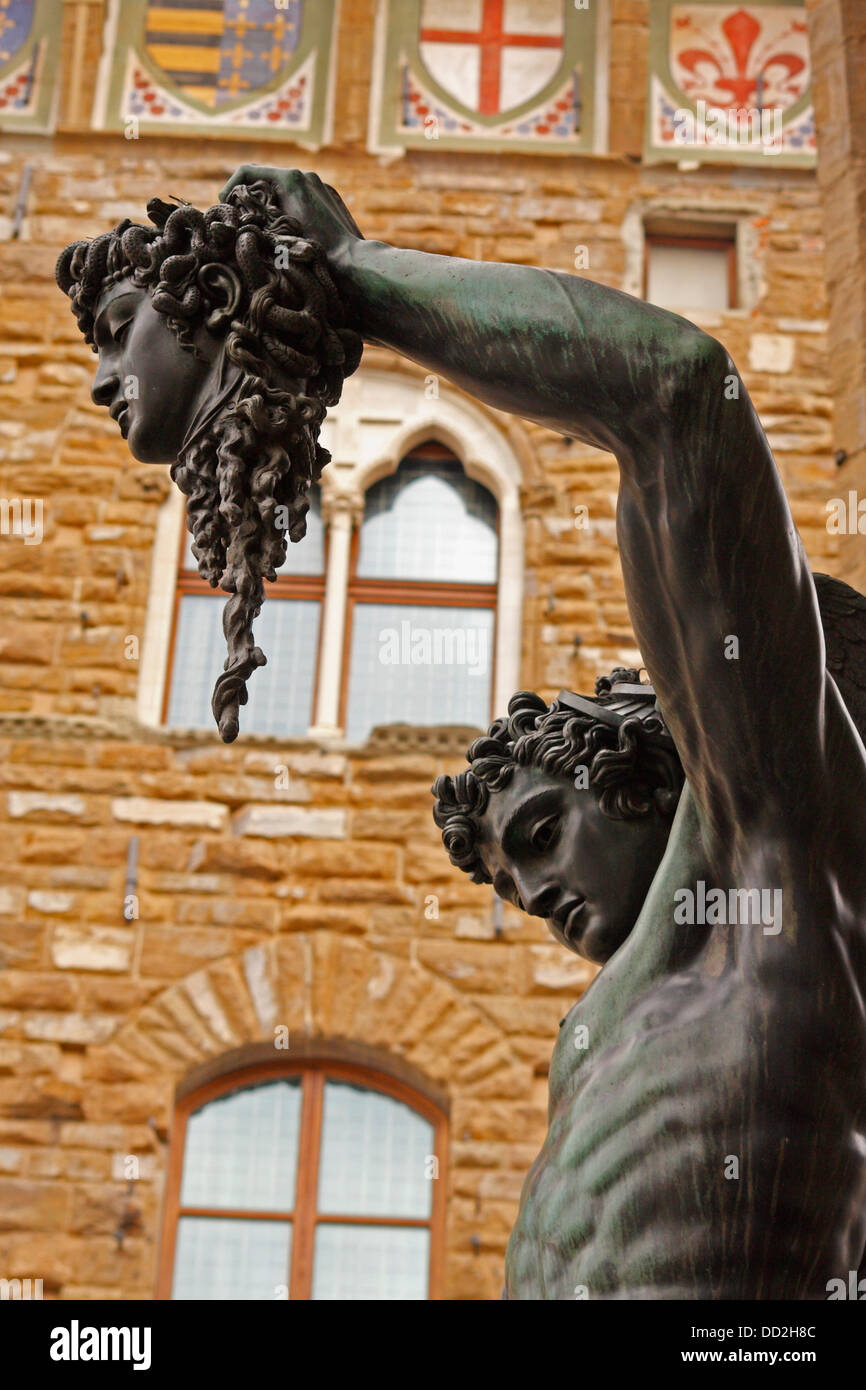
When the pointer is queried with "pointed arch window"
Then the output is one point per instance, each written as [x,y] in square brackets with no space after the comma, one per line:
[421,617]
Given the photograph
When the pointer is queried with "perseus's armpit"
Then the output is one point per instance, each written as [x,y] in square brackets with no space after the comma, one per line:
[230,329]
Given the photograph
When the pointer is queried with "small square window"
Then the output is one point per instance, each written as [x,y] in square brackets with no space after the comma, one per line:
[690,272]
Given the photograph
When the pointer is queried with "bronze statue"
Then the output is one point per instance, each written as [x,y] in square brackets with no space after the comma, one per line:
[702,837]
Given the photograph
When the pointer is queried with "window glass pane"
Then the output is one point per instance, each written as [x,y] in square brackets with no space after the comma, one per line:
[281,693]
[373,1155]
[429,521]
[242,1150]
[281,702]
[233,1260]
[688,277]
[308,556]
[302,557]
[415,664]
[371,1262]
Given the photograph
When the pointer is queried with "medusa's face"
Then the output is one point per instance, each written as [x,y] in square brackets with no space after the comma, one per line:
[153,387]
[551,851]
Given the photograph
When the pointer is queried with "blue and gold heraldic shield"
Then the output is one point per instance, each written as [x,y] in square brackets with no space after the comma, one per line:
[29,59]
[220,67]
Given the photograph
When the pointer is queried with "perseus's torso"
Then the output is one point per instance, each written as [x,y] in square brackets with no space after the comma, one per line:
[706,1121]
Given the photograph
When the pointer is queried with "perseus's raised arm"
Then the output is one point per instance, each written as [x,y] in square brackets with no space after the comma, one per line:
[577,357]
[719,591]
[718,587]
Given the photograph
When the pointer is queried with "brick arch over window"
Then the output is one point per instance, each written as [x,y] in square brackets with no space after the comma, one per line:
[315,984]
[333,993]
[315,1048]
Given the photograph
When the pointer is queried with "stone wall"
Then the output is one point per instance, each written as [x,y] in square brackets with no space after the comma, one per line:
[837,39]
[309,905]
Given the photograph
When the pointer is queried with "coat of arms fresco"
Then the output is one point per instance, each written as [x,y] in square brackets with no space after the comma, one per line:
[474,73]
[218,67]
[729,83]
[29,55]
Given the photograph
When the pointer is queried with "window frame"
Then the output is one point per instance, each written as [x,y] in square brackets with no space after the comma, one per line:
[289,586]
[426,593]
[304,1217]
[704,243]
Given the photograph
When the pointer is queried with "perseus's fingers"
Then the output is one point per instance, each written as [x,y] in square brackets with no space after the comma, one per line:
[250,173]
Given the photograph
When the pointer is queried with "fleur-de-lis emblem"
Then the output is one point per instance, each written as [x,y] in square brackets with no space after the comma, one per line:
[743,70]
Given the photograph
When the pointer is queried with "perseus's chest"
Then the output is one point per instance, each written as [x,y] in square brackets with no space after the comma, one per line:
[706,1100]
[627,1114]
[679,1139]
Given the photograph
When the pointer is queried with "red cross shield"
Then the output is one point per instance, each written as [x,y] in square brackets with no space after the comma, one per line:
[492,55]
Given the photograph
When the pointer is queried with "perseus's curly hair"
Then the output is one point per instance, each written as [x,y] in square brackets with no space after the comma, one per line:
[631,769]
[261,453]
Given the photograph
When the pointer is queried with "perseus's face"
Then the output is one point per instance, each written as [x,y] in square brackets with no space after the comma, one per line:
[551,851]
[151,385]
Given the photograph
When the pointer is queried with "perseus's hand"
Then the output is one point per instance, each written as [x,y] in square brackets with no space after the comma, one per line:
[318,208]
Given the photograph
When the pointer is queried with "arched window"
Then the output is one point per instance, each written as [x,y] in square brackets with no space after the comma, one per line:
[388,609]
[422,599]
[319,1180]
[287,630]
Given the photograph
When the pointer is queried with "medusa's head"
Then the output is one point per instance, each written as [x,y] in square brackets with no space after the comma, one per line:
[221,344]
[566,809]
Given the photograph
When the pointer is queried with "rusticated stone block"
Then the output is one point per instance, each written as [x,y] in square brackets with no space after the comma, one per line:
[168,953]
[277,822]
[45,805]
[131,1103]
[33,1206]
[142,810]
[349,859]
[96,948]
[32,1254]
[36,990]
[231,856]
[69,1027]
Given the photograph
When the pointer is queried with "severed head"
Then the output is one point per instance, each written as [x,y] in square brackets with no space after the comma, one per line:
[221,343]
